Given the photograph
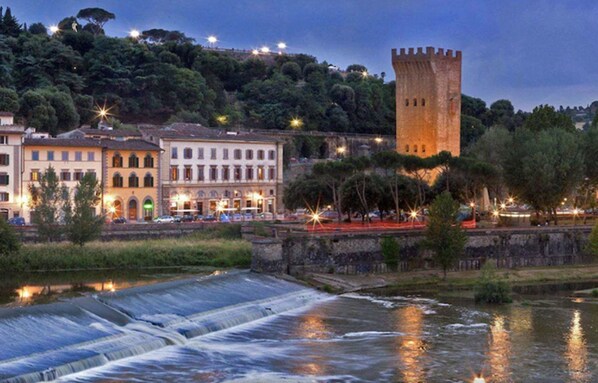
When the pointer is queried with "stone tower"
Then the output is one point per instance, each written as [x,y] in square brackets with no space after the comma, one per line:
[428,101]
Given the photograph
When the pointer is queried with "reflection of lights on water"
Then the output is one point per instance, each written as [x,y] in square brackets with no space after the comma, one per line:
[578,300]
[577,352]
[479,379]
[312,328]
[110,286]
[24,293]
[500,350]
[412,348]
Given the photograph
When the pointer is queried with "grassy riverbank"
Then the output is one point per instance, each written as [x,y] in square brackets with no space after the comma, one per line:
[219,247]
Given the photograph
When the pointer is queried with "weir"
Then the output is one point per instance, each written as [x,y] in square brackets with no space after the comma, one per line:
[42,343]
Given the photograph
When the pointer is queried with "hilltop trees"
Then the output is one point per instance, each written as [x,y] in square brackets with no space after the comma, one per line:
[96,18]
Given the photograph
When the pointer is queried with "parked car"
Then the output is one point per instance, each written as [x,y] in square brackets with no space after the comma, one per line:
[186,218]
[198,217]
[17,221]
[266,216]
[119,220]
[209,218]
[237,217]
[164,219]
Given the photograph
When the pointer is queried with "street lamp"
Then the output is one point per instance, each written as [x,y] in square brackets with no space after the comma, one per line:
[364,74]
[378,140]
[255,52]
[212,40]
[341,150]
[413,217]
[296,122]
[134,33]
[54,29]
[265,49]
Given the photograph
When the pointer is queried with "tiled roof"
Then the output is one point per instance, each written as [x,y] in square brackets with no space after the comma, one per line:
[111,133]
[196,131]
[73,142]
[133,144]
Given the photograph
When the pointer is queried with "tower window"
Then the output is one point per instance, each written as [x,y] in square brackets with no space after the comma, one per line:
[415,102]
[406,102]
[423,148]
[407,148]
[414,148]
[423,102]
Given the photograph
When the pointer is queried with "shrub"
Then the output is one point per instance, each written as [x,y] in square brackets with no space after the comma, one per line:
[490,288]
[390,252]
[9,242]
[595,293]
[592,246]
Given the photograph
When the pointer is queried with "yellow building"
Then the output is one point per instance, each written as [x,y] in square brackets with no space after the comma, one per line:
[70,158]
[131,179]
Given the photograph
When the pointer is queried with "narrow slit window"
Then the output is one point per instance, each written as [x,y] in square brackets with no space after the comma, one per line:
[423,102]
[423,148]
[415,102]
[414,148]
[407,148]
[406,102]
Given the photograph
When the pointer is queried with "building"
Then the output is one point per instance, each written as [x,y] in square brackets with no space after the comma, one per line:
[11,137]
[71,158]
[428,101]
[131,174]
[205,171]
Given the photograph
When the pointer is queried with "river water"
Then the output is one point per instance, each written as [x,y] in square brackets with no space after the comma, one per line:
[245,327]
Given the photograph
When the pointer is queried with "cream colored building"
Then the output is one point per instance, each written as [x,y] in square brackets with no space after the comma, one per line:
[11,137]
[206,170]
[70,158]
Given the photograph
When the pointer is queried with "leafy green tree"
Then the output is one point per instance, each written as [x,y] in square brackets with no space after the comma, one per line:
[390,252]
[82,225]
[10,25]
[38,29]
[9,242]
[292,70]
[391,163]
[96,17]
[67,117]
[471,131]
[306,192]
[546,117]
[419,168]
[9,100]
[48,202]
[592,246]
[473,107]
[490,288]
[501,113]
[333,174]
[356,68]
[444,235]
[37,111]
[362,192]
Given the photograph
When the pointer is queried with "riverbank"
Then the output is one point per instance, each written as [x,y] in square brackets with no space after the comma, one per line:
[219,247]
[431,280]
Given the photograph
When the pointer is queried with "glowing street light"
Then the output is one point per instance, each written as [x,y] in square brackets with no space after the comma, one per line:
[413,216]
[212,40]
[479,379]
[134,33]
[282,45]
[511,200]
[255,52]
[265,49]
[503,206]
[222,119]
[54,29]
[341,150]
[296,122]
[364,74]
[378,140]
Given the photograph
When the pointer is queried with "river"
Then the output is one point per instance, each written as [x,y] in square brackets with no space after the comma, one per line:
[354,337]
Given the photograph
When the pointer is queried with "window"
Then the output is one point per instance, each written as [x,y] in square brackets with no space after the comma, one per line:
[407,148]
[237,173]
[148,181]
[3,140]
[213,173]
[78,156]
[271,155]
[65,175]
[174,153]
[187,173]
[249,154]
[4,179]
[4,197]
[174,173]
[225,173]
[200,173]
[65,156]
[414,148]
[237,154]
[4,159]
[213,153]
[423,102]
[415,102]
[117,161]
[260,173]
[92,173]
[117,181]
[200,153]
[91,156]
[133,181]
[406,102]
[78,175]
[260,154]
[35,155]
[225,154]
[133,161]
[148,161]
[423,148]
[249,173]
[187,153]
[50,155]
[271,173]
[34,176]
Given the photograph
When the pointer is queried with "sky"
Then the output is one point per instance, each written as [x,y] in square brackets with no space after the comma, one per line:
[531,52]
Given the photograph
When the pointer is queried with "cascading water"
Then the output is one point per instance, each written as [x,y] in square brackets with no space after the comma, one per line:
[42,343]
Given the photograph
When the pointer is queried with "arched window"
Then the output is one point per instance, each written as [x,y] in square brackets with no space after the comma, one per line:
[407,148]
[415,102]
[148,181]
[406,102]
[148,209]
[133,181]
[423,102]
[133,161]
[213,194]
[148,161]
[117,161]
[117,180]
[423,148]
[132,210]
[414,148]
[118,209]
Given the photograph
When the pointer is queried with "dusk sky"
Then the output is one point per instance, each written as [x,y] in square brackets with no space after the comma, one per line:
[531,52]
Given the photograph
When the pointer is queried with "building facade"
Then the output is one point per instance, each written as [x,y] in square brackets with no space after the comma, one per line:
[11,194]
[204,171]
[428,101]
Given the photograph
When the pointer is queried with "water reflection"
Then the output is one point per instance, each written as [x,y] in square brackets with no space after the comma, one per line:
[499,352]
[312,328]
[30,293]
[412,347]
[577,352]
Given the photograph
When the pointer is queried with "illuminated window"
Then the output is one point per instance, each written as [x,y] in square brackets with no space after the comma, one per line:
[188,173]
[34,174]
[174,173]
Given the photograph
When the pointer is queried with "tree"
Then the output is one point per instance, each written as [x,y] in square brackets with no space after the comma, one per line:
[444,235]
[9,242]
[82,225]
[9,100]
[37,111]
[48,201]
[38,29]
[546,117]
[306,192]
[292,70]
[333,174]
[391,163]
[97,17]
[362,192]
[10,25]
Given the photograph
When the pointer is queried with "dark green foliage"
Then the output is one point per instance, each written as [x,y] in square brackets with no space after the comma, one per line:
[292,70]
[38,29]
[444,235]
[490,288]
[545,117]
[595,293]
[96,17]
[390,252]
[82,225]
[9,242]
[592,245]
[9,25]
[9,100]
[48,202]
